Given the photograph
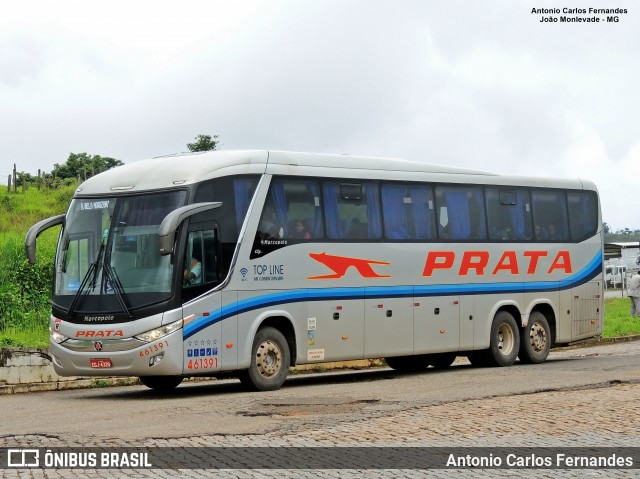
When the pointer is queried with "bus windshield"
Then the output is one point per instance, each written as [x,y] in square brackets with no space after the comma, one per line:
[109,256]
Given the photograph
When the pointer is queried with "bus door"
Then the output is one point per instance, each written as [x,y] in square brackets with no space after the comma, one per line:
[203,313]
[436,324]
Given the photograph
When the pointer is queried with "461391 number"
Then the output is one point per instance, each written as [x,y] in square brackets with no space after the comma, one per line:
[154,348]
[203,363]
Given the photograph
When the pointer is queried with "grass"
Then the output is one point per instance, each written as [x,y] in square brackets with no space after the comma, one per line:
[617,319]
[25,290]
[25,208]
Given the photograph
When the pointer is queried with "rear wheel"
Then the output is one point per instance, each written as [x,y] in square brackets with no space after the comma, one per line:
[504,344]
[161,383]
[270,359]
[408,363]
[535,339]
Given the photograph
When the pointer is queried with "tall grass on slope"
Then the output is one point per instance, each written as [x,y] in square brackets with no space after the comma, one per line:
[25,290]
[21,210]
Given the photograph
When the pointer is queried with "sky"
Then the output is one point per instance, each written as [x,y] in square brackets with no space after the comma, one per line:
[481,84]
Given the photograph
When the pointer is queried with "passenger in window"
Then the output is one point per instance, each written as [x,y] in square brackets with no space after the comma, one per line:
[193,272]
[552,232]
[269,227]
[300,231]
[540,233]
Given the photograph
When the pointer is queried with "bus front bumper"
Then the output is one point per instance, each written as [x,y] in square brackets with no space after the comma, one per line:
[119,357]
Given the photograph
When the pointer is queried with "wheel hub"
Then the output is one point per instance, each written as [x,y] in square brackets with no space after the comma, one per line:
[269,359]
[505,339]
[537,337]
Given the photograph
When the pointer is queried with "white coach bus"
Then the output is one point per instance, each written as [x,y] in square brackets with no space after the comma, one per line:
[248,262]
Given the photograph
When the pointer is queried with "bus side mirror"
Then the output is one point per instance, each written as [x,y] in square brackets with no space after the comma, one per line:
[34,232]
[171,222]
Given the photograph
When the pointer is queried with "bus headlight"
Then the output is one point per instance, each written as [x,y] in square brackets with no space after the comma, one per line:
[57,337]
[159,332]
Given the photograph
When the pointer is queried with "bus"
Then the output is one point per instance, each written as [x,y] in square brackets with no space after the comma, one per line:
[247,263]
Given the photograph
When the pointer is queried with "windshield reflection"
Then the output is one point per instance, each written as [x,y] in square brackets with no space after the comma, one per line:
[121,233]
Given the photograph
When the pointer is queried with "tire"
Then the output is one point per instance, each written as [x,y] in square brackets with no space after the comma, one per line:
[442,360]
[408,363]
[270,360]
[535,340]
[161,383]
[504,343]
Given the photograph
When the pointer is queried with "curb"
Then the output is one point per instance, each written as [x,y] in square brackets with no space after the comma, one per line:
[62,385]
[103,382]
[599,342]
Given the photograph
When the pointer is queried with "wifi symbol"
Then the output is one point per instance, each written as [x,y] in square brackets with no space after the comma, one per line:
[244,272]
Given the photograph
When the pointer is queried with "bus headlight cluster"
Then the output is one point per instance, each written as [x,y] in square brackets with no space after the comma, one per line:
[57,337]
[159,332]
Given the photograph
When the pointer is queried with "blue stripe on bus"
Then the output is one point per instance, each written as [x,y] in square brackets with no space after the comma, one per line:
[590,271]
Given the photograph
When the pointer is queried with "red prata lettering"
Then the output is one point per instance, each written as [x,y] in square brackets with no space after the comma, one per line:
[106,333]
[438,260]
[477,261]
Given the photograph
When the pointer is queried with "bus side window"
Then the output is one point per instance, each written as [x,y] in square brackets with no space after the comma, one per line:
[408,212]
[462,215]
[509,214]
[201,259]
[550,214]
[352,210]
[583,214]
[291,202]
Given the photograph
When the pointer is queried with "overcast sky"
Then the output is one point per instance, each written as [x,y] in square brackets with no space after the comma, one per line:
[480,84]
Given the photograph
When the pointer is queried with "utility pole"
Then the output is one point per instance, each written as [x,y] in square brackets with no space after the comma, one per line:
[15,179]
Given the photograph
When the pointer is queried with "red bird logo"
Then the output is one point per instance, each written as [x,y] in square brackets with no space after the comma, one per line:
[340,264]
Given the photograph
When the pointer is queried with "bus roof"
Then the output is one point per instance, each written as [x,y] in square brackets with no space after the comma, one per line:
[183,169]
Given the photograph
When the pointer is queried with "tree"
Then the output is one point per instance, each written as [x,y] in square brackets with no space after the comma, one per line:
[83,165]
[204,143]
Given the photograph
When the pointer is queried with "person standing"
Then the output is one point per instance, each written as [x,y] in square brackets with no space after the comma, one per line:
[634,294]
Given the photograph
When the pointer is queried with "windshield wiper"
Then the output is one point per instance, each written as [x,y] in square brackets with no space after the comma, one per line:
[93,269]
[117,288]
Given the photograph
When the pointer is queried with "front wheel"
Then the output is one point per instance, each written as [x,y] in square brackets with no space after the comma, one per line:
[535,340]
[161,383]
[270,359]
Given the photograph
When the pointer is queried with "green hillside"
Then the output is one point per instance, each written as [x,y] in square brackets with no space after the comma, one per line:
[25,290]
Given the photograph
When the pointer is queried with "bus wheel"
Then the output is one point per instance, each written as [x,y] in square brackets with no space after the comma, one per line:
[442,360]
[408,363]
[535,340]
[161,383]
[270,359]
[504,345]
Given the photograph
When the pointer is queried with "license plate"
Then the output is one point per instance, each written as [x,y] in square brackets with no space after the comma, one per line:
[100,363]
